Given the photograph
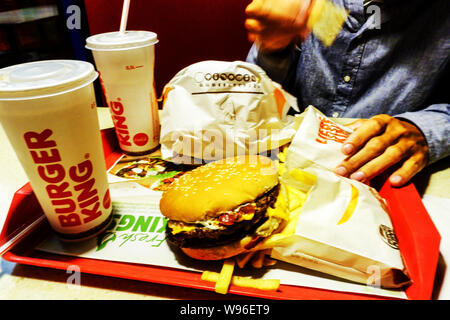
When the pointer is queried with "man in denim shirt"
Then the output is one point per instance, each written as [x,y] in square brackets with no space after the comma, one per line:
[390,66]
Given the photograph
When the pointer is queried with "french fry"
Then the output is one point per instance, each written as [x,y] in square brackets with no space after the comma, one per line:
[269,262]
[257,260]
[242,259]
[210,276]
[303,176]
[224,279]
[296,197]
[281,168]
[282,155]
[262,284]
[266,260]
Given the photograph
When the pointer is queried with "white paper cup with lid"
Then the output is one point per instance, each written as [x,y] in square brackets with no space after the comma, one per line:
[48,112]
[125,62]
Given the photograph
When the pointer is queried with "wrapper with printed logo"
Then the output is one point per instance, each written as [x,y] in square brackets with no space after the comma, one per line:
[318,141]
[216,109]
[343,226]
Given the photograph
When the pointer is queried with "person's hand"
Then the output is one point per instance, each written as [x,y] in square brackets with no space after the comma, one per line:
[275,24]
[380,142]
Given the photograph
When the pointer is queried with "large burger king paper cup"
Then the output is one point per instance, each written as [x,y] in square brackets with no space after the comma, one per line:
[48,112]
[125,62]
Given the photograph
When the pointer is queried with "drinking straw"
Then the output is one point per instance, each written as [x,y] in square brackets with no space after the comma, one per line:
[20,235]
[123,20]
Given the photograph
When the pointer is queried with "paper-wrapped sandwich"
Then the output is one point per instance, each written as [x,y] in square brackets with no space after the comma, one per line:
[216,109]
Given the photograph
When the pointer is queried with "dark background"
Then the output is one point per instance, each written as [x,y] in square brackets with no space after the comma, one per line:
[188,31]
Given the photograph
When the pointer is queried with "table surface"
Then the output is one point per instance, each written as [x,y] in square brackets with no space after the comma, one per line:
[29,282]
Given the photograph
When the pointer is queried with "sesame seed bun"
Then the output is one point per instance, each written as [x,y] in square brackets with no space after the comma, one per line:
[218,186]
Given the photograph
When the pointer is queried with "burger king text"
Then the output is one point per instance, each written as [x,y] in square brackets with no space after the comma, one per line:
[47,157]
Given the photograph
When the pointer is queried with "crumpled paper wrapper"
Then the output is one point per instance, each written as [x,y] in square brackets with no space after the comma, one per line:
[216,109]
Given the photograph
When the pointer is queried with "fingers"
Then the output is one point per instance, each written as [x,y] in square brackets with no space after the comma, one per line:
[268,38]
[366,143]
[380,148]
[378,144]
[365,131]
[255,9]
[274,11]
[349,148]
[408,170]
[274,24]
[376,163]
[254,26]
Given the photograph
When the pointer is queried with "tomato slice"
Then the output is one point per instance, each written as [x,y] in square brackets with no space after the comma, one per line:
[227,218]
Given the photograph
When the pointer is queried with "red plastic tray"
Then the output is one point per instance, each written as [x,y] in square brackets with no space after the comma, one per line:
[417,236]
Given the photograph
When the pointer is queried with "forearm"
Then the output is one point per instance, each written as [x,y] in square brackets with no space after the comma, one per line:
[280,66]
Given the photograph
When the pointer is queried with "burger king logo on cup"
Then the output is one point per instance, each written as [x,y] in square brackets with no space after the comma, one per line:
[119,119]
[72,191]
[140,139]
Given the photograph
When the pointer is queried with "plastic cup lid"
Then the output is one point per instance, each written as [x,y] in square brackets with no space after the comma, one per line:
[120,41]
[42,78]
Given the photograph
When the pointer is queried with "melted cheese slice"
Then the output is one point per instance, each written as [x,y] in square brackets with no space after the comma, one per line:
[177,228]
[214,224]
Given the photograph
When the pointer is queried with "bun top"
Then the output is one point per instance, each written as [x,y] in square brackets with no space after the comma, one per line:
[218,186]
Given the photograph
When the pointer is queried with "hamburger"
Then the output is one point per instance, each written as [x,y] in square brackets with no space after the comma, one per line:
[223,208]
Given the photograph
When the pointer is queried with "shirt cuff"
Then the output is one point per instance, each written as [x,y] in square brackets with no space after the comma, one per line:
[435,126]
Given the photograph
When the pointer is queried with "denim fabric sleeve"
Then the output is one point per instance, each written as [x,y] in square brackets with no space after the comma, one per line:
[280,66]
[434,122]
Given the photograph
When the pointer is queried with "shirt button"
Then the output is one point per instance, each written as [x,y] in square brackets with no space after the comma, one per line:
[347,78]
[335,114]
